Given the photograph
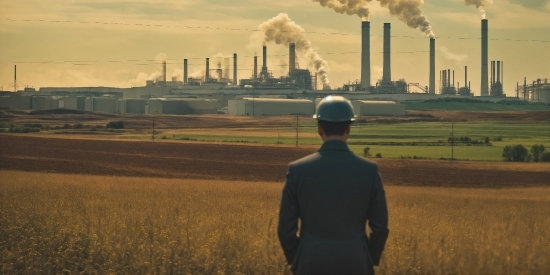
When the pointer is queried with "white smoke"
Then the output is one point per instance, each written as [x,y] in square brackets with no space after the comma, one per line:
[480,5]
[177,75]
[459,58]
[142,77]
[407,11]
[283,31]
[198,73]
[350,7]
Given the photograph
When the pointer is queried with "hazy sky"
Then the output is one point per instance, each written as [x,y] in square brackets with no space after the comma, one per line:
[90,50]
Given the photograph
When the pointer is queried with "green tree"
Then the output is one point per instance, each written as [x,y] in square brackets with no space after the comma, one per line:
[366,152]
[517,153]
[537,151]
[545,157]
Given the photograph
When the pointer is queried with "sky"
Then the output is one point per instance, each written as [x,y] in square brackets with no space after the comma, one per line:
[65,43]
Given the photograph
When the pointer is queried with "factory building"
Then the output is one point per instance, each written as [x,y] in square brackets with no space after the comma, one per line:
[378,108]
[270,107]
[181,106]
[132,106]
[538,91]
[105,104]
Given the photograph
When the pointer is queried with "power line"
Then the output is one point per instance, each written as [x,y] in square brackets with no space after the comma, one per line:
[158,62]
[256,30]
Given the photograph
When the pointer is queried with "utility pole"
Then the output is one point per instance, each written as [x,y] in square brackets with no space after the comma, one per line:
[296,130]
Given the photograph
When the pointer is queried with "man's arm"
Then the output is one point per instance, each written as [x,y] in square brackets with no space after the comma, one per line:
[288,219]
[378,220]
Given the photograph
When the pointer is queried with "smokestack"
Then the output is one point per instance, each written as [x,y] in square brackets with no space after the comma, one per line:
[465,75]
[207,75]
[449,78]
[292,57]
[164,71]
[235,69]
[525,94]
[432,66]
[498,71]
[264,67]
[185,71]
[386,77]
[15,79]
[484,57]
[454,78]
[365,55]
[255,67]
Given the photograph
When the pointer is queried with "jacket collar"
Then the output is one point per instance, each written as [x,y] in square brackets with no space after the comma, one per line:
[334,145]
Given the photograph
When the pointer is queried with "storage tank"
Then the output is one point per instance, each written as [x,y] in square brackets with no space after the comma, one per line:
[135,105]
[105,104]
[70,103]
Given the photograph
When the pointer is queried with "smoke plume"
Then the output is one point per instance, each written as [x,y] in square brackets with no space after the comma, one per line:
[350,7]
[283,31]
[407,11]
[480,5]
[459,58]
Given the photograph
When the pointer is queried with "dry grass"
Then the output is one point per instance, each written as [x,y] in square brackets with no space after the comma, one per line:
[54,223]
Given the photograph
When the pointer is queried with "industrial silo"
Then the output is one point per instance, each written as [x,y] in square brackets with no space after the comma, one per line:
[378,108]
[271,107]
[105,104]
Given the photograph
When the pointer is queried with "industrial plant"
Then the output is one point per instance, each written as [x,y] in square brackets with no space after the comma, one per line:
[262,93]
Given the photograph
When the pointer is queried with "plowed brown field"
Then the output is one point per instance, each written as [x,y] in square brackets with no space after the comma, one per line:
[238,162]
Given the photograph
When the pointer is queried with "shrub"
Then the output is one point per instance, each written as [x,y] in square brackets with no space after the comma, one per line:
[545,157]
[537,151]
[78,126]
[515,153]
[115,124]
[67,126]
[366,152]
[378,155]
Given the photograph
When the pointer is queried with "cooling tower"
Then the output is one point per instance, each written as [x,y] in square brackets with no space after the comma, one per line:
[235,69]
[291,57]
[386,77]
[484,57]
[432,66]
[365,55]
[185,71]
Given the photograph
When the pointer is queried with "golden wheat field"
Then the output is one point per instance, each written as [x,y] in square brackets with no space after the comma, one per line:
[56,223]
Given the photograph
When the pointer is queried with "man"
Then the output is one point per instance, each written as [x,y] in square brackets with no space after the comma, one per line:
[333,194]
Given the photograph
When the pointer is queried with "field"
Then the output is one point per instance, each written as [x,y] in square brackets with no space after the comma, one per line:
[479,106]
[58,223]
[204,199]
[420,134]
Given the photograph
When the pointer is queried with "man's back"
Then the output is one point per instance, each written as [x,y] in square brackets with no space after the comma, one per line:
[333,192]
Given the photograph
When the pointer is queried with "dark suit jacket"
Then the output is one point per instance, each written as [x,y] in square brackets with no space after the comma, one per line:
[333,193]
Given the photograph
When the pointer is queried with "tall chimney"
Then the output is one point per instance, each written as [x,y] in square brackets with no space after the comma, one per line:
[432,66]
[164,71]
[255,67]
[448,77]
[386,77]
[498,71]
[454,78]
[207,75]
[365,55]
[15,79]
[484,57]
[465,76]
[264,66]
[185,71]
[235,69]
[291,57]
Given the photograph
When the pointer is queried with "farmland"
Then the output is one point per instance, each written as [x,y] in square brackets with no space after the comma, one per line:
[204,199]
[59,223]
